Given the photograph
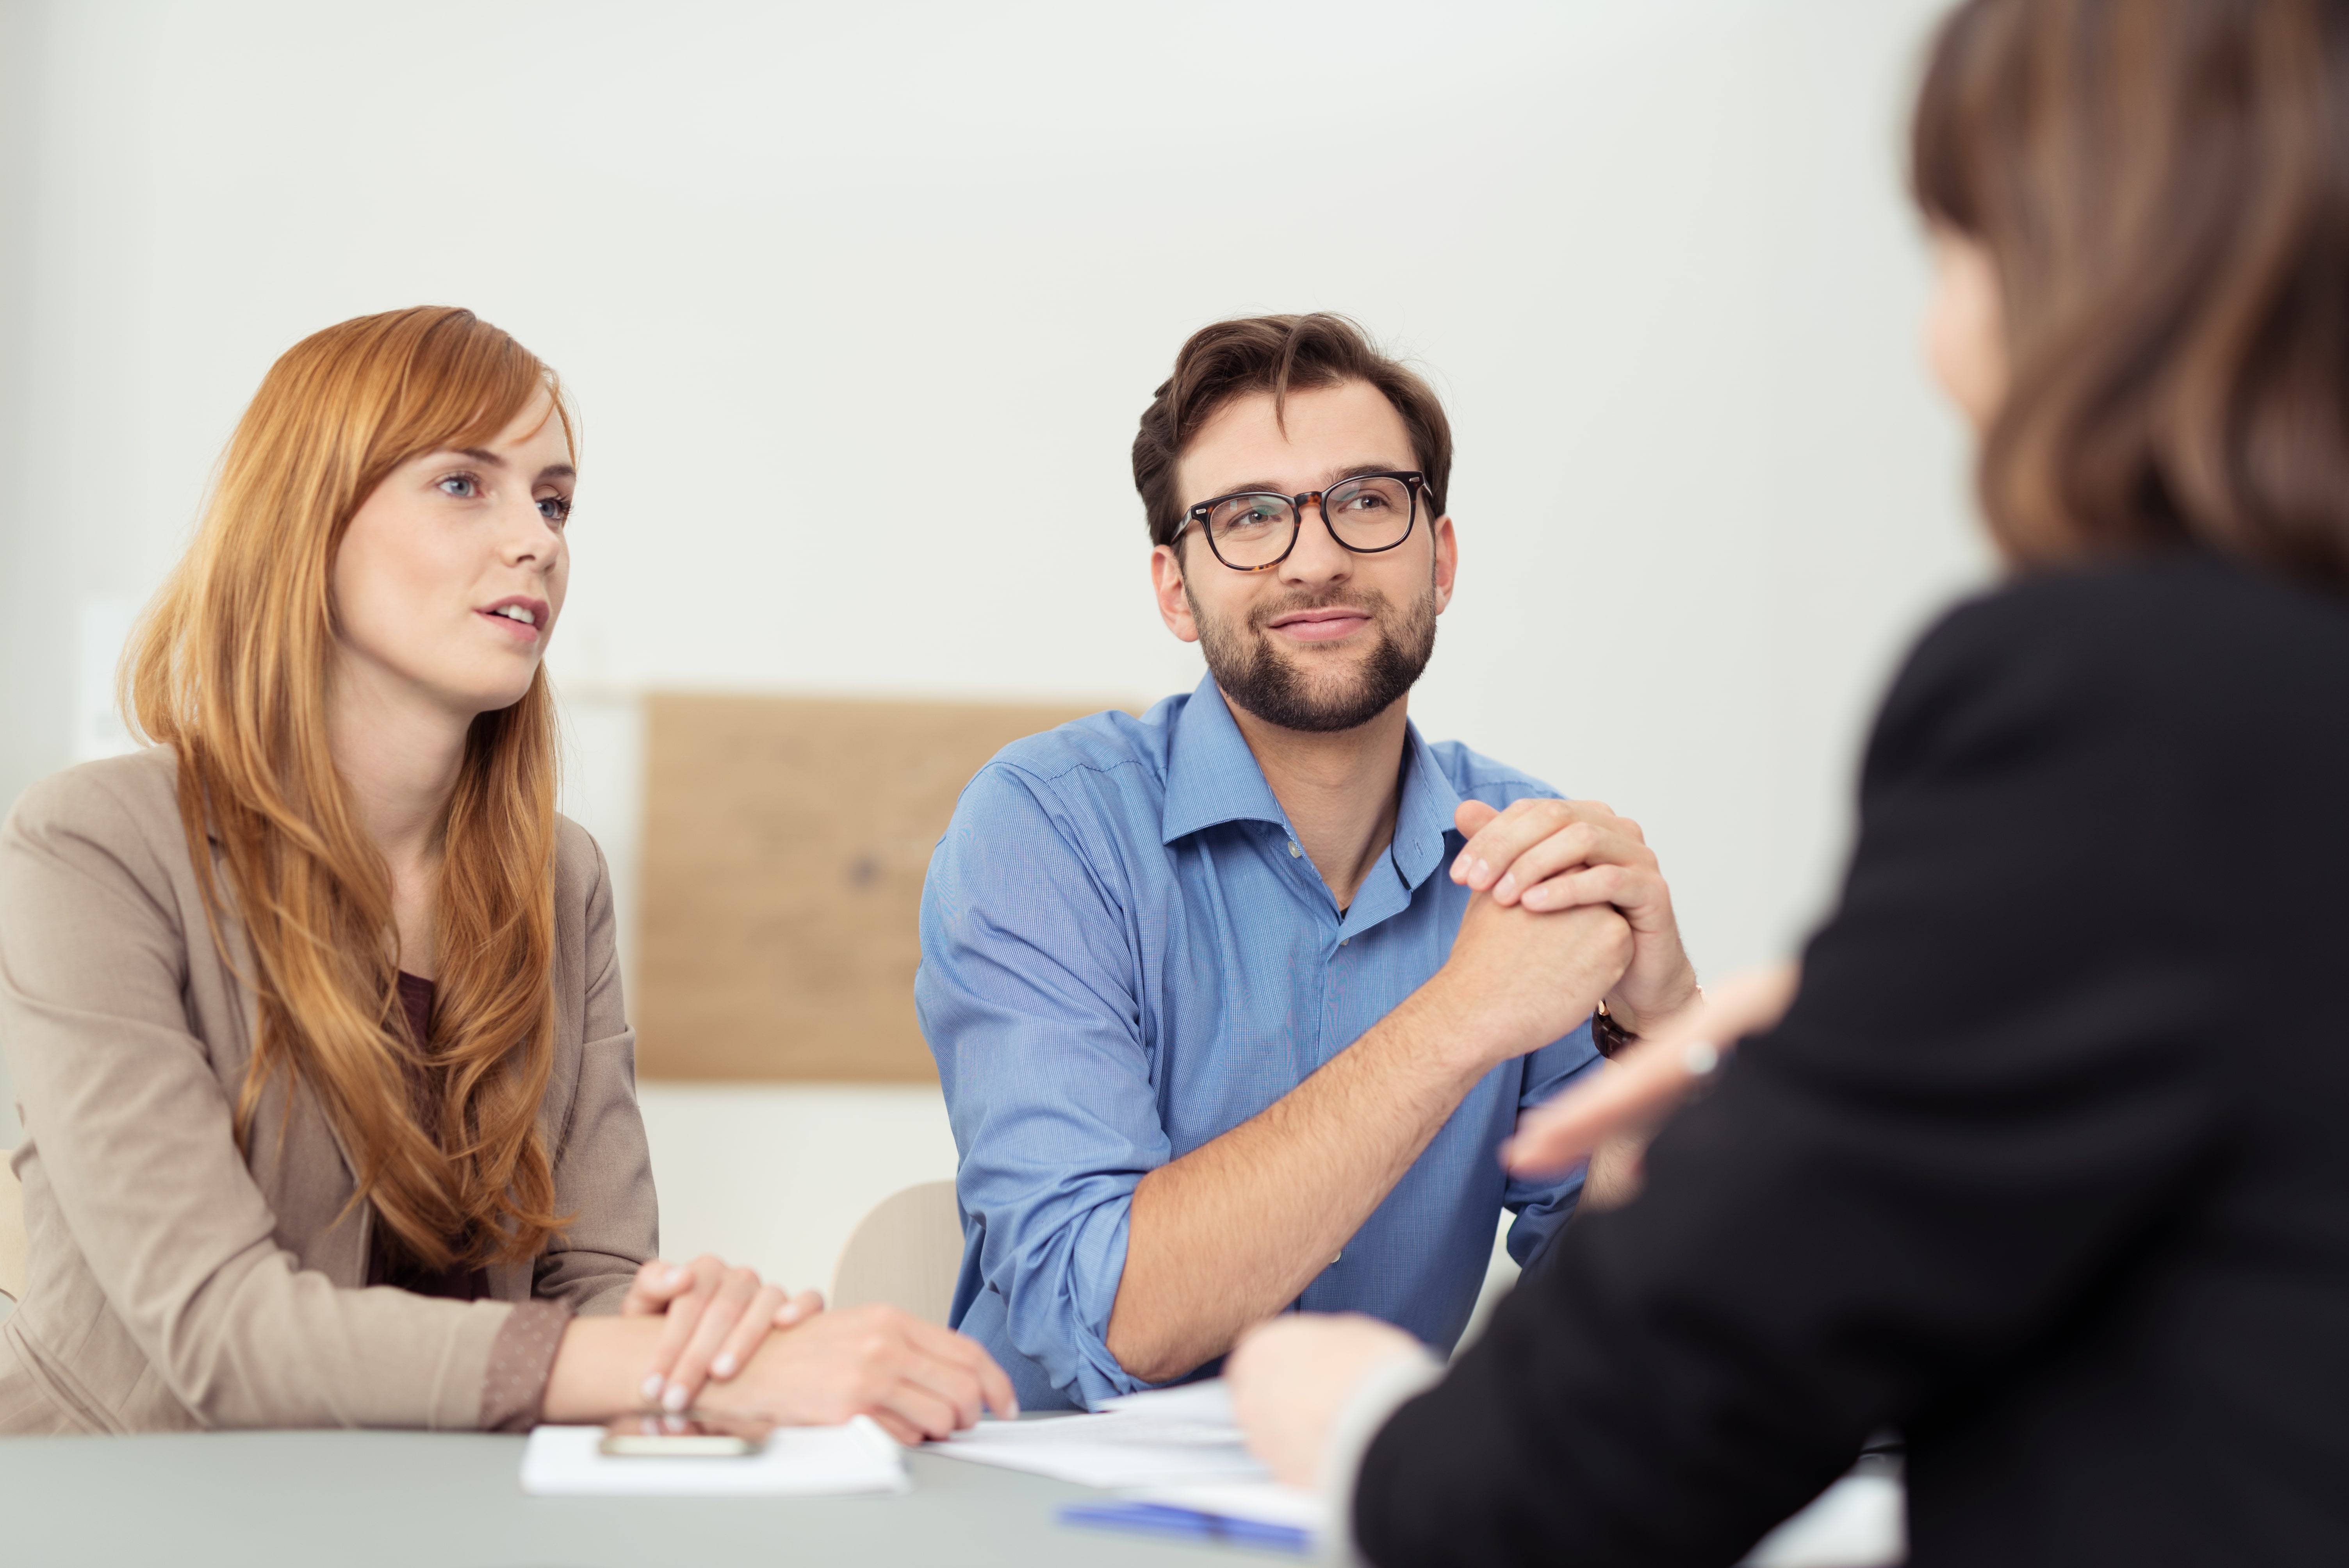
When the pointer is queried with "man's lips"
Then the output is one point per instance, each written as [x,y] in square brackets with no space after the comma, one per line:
[1321,626]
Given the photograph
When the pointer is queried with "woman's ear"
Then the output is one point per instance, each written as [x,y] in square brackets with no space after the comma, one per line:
[1965,326]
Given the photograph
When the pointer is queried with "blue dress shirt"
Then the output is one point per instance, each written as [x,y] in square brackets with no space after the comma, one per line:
[1125,954]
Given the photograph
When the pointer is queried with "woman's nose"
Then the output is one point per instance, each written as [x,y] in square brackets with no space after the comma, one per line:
[525,534]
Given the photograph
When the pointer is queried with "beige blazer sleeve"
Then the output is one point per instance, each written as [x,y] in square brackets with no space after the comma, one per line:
[172,1283]
[603,1169]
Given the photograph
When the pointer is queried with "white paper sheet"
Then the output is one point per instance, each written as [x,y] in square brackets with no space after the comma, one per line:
[798,1461]
[1162,1436]
[1264,1502]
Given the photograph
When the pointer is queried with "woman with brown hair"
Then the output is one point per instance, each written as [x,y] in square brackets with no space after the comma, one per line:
[2043,1164]
[312,1007]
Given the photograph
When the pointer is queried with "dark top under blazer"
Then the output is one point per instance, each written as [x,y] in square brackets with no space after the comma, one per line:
[2047,1167]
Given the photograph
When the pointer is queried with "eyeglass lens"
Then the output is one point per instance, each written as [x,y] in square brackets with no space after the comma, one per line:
[1372,513]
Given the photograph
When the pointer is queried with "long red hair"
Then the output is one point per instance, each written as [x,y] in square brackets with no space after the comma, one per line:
[232,668]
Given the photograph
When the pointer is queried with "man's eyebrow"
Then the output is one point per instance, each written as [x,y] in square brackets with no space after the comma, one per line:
[1334,478]
[1340,476]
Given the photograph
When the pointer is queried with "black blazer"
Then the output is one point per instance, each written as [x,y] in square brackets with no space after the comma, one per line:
[2048,1166]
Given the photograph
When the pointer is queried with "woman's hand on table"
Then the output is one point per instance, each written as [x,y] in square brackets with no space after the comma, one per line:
[917,1380]
[714,1319]
[1611,1116]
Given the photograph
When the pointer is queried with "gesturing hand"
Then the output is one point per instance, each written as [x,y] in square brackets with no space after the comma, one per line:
[715,1316]
[917,1379]
[1290,1377]
[1619,1109]
[1551,855]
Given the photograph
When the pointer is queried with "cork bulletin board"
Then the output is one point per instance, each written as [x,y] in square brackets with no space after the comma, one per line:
[785,841]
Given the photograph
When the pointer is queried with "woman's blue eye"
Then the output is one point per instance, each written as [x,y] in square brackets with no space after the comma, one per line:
[464,486]
[555,508]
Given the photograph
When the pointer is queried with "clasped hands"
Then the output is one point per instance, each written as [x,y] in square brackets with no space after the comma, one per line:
[729,1338]
[1578,859]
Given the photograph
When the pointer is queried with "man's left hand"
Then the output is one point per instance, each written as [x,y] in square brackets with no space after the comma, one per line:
[1291,1375]
[1556,854]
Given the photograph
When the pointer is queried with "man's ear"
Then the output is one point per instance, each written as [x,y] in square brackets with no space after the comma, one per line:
[1447,561]
[1166,585]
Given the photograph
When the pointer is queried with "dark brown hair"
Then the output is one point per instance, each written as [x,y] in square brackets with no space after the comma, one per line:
[1274,353]
[2164,188]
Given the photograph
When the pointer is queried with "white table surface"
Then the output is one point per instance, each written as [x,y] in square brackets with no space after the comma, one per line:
[255,1499]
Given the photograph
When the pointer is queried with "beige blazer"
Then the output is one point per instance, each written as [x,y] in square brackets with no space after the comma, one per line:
[173,1285]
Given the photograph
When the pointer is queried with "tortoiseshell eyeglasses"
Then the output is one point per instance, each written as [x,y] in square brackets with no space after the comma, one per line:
[1254,531]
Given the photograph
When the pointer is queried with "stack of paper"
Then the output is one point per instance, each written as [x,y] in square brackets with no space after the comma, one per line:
[797,1462]
[1174,1453]
[1167,1436]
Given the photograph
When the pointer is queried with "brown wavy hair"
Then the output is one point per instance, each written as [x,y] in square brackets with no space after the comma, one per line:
[1274,353]
[230,669]
[2164,188]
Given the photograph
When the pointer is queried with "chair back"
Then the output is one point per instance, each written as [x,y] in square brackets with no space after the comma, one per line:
[12,1243]
[906,1252]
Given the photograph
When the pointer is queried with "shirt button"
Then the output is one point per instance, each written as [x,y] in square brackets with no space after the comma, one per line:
[1293,851]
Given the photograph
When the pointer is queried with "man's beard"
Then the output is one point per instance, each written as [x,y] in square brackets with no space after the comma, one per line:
[1281,690]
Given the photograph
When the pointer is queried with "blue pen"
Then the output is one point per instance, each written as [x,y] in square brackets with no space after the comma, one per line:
[1187,1524]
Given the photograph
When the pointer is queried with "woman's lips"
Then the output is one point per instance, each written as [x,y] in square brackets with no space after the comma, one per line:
[520,632]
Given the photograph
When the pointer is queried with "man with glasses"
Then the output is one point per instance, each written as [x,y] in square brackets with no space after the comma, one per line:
[1227,1020]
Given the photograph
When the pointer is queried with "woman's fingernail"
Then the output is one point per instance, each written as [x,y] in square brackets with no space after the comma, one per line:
[675,1278]
[724,1365]
[1505,886]
[652,1386]
[1478,871]
[675,1398]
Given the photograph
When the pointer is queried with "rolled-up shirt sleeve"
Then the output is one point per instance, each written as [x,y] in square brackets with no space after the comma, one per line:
[1028,995]
[1544,1205]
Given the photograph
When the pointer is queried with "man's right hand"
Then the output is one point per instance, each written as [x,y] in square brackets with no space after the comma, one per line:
[1518,979]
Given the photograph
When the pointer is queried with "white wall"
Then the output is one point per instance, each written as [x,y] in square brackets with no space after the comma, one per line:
[849,296]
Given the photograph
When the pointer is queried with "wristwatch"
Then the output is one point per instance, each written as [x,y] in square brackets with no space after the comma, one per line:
[1608,1035]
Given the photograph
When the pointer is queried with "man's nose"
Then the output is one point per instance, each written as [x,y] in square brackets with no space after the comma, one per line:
[1319,557]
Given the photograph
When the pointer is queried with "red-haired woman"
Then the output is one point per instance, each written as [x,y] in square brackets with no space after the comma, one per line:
[312,1008]
[2045,1165]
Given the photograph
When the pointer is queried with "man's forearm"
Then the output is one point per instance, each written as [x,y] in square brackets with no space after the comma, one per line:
[1234,1231]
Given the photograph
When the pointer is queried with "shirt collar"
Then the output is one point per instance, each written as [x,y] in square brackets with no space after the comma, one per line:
[1425,812]
[1212,778]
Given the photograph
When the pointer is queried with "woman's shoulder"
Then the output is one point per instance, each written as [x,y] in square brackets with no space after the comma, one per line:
[95,835]
[583,881]
[116,802]
[2190,628]
[2130,617]
[2151,666]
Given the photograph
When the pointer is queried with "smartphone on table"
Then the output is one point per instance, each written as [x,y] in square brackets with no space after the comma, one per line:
[694,1435]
